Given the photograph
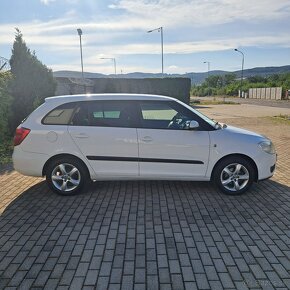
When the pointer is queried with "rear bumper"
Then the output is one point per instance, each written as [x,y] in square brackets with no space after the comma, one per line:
[28,163]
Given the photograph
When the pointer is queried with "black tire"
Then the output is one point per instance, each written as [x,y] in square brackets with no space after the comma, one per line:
[230,174]
[75,182]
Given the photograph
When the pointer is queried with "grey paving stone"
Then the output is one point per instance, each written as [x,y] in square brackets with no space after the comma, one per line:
[77,283]
[165,286]
[164,276]
[152,268]
[102,283]
[41,279]
[197,266]
[127,282]
[202,282]
[217,285]
[91,277]
[257,271]
[211,273]
[187,274]
[226,280]
[177,282]
[67,277]
[139,286]
[174,267]
[129,268]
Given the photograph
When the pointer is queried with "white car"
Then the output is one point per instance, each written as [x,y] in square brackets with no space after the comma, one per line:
[74,139]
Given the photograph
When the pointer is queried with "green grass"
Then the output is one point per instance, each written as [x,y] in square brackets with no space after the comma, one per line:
[6,149]
[212,102]
[283,119]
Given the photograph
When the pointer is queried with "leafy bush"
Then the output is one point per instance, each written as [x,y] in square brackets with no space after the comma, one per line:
[5,105]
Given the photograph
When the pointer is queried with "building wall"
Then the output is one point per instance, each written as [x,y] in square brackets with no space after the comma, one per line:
[178,88]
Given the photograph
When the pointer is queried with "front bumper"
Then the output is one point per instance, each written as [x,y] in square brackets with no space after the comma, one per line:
[266,166]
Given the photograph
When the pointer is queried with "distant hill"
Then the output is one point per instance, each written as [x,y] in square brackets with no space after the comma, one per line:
[196,78]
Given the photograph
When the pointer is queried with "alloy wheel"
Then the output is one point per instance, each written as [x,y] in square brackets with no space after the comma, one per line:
[234,177]
[66,177]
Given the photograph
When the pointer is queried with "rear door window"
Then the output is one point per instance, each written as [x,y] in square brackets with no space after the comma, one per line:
[105,114]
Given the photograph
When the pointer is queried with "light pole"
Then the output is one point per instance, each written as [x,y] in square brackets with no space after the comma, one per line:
[243,58]
[208,70]
[114,61]
[160,29]
[80,35]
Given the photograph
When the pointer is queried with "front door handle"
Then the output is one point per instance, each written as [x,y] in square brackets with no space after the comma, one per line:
[81,135]
[147,139]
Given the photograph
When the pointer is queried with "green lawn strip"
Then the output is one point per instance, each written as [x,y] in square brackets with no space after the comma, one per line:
[283,119]
[213,102]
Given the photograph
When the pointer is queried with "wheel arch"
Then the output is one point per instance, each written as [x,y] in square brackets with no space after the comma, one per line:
[249,159]
[63,155]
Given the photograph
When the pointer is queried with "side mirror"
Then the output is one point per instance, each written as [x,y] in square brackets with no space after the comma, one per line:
[191,125]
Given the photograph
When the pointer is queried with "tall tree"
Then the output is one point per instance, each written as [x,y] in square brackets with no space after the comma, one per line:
[32,81]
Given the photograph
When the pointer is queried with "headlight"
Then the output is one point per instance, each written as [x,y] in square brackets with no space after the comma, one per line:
[267,146]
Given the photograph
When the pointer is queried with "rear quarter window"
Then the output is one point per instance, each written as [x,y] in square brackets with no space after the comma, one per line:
[60,115]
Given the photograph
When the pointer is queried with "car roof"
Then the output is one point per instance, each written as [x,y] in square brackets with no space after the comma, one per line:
[93,97]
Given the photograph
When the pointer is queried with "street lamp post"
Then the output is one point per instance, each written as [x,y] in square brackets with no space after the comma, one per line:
[243,58]
[114,61]
[208,70]
[160,29]
[80,35]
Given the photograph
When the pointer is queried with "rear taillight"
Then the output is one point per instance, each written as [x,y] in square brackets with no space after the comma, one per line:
[20,135]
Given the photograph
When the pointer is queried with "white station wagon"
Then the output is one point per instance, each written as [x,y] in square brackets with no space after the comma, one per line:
[74,139]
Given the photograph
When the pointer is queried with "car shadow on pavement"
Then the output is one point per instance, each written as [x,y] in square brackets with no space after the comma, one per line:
[113,220]
[39,200]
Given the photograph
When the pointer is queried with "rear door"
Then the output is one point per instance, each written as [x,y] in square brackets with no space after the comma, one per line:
[105,134]
[166,149]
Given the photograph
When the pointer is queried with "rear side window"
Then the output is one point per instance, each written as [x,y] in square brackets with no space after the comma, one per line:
[60,115]
[105,114]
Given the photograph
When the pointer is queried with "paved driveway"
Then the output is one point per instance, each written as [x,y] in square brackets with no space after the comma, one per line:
[148,235]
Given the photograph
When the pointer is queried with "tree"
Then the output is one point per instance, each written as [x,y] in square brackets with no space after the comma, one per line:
[32,81]
[5,103]
[229,78]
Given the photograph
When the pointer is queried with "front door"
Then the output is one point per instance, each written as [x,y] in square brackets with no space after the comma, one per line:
[166,148]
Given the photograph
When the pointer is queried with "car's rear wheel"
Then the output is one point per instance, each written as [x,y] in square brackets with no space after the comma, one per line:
[234,175]
[66,176]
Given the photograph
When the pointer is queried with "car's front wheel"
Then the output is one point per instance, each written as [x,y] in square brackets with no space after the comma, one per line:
[66,176]
[234,175]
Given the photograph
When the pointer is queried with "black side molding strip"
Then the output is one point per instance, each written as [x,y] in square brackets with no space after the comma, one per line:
[136,159]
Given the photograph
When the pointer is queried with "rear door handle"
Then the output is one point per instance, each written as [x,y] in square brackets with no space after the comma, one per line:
[81,135]
[147,139]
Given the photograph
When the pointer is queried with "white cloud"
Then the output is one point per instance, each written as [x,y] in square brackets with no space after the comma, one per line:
[47,2]
[60,35]
[172,13]
[124,32]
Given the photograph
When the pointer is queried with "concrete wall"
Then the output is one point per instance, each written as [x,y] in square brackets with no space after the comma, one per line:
[178,88]
[266,93]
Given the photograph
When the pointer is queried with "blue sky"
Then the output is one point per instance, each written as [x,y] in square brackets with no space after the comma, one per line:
[194,31]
